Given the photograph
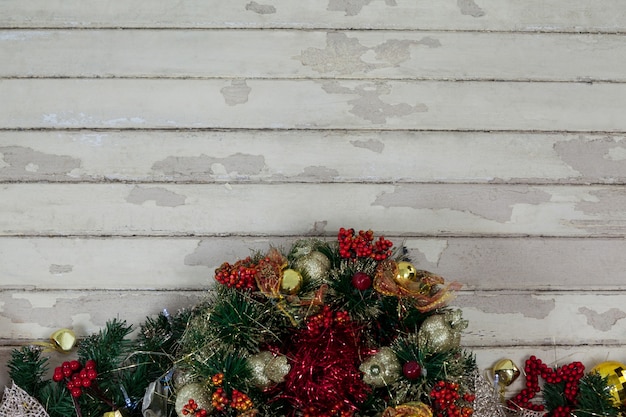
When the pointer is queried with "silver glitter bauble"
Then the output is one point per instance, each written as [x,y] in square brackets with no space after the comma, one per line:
[441,332]
[268,369]
[314,264]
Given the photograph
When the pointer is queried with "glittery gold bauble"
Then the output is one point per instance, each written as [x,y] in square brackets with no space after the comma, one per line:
[441,332]
[506,372]
[63,340]
[406,273]
[381,369]
[615,372]
[194,391]
[291,281]
[268,369]
[315,265]
[411,409]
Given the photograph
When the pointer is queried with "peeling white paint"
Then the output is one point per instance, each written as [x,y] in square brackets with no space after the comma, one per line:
[3,164]
[41,300]
[31,167]
[616,154]
[431,248]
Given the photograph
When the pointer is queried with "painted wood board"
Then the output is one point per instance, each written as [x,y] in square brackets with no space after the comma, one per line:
[535,15]
[291,209]
[310,104]
[311,156]
[291,54]
[485,264]
[495,318]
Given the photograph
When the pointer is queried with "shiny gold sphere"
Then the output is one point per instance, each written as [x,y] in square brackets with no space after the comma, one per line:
[506,372]
[615,372]
[291,282]
[406,272]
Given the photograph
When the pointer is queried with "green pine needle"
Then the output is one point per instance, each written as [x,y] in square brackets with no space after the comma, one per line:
[27,368]
[594,397]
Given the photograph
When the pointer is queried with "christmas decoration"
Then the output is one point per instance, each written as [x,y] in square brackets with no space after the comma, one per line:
[505,372]
[17,403]
[343,328]
[615,373]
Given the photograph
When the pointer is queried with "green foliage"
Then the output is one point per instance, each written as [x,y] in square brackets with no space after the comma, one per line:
[27,368]
[594,398]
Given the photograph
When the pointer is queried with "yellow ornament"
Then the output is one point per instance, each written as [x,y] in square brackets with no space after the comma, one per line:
[116,413]
[506,372]
[411,409]
[406,273]
[291,282]
[62,340]
[615,372]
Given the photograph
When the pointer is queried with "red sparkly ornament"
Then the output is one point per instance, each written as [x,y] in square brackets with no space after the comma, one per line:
[411,370]
[361,281]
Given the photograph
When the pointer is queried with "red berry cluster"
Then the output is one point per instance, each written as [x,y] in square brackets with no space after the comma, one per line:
[447,402]
[192,408]
[534,368]
[219,399]
[321,321]
[76,376]
[241,275]
[363,245]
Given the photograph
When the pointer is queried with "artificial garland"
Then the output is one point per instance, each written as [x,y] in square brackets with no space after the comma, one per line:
[324,329]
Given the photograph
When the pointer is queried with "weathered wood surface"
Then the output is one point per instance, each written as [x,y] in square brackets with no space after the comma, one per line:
[143,143]
[305,156]
[313,54]
[310,104]
[291,209]
[170,264]
[490,15]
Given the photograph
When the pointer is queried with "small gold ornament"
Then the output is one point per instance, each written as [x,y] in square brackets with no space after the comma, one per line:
[314,265]
[505,372]
[615,372]
[62,340]
[381,369]
[291,282]
[196,392]
[406,273]
[411,409]
[441,332]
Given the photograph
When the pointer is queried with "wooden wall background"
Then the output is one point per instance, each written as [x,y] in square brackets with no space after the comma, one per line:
[142,143]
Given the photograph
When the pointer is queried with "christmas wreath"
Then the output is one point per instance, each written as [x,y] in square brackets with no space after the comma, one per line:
[324,329]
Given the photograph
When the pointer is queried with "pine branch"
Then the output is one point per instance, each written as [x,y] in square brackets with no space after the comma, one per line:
[27,368]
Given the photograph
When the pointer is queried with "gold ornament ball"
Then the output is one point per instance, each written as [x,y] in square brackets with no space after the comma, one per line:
[314,264]
[406,273]
[291,282]
[194,391]
[615,372]
[506,372]
[63,340]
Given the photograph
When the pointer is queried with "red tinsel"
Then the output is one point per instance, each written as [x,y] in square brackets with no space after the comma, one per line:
[324,380]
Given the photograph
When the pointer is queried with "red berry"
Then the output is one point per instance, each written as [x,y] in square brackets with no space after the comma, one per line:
[412,370]
[67,372]
[86,383]
[92,374]
[361,281]
[57,376]
[76,392]
[74,365]
[90,364]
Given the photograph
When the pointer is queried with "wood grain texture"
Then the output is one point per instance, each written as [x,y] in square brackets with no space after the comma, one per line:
[143,143]
[305,156]
[397,55]
[492,15]
[310,104]
[288,209]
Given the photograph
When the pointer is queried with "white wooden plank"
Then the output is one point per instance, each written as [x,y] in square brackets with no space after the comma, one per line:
[535,15]
[288,209]
[310,104]
[495,318]
[316,54]
[484,264]
[313,156]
